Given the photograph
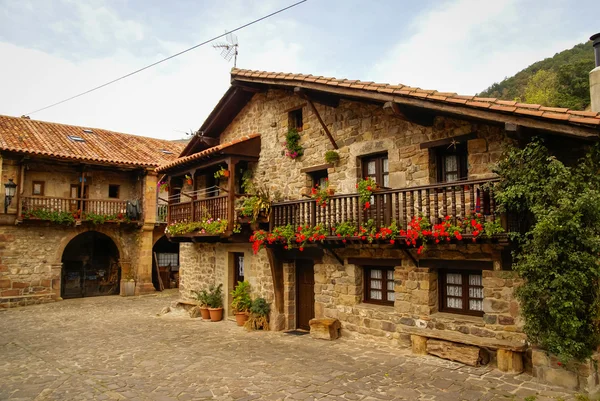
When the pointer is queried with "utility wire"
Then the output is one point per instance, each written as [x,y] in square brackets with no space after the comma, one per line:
[168,58]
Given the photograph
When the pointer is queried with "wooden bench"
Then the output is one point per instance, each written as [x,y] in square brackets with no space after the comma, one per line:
[466,348]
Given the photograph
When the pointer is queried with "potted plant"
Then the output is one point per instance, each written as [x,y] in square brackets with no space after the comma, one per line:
[215,302]
[202,297]
[222,172]
[188,179]
[241,302]
[256,207]
[128,283]
[331,156]
[259,315]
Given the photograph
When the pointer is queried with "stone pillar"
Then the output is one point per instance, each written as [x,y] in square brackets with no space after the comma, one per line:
[419,344]
[509,361]
[56,269]
[144,265]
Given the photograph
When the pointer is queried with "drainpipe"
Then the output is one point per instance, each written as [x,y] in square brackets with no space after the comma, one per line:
[595,75]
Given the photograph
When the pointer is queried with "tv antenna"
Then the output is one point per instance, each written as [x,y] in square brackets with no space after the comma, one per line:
[230,49]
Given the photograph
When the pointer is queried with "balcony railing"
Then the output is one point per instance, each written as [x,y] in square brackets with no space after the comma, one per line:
[434,202]
[195,210]
[161,213]
[36,206]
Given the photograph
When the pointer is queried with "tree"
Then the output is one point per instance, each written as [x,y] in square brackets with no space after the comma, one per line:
[557,255]
[542,89]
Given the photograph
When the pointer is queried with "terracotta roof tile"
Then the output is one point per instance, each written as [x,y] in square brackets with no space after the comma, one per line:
[500,107]
[529,112]
[200,155]
[35,137]
[555,114]
[584,113]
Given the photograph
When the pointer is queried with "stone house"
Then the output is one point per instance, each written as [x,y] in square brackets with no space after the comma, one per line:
[430,153]
[68,230]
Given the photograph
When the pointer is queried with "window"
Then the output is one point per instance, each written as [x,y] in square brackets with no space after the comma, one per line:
[379,285]
[238,267]
[319,178]
[75,138]
[377,168]
[462,292]
[295,119]
[38,188]
[113,191]
[452,163]
[168,260]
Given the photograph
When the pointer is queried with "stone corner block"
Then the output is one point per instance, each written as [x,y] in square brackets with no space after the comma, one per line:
[325,328]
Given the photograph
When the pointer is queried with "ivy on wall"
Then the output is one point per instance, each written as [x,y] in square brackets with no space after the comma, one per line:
[558,253]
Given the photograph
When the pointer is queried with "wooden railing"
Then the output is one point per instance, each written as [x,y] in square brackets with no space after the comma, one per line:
[31,204]
[161,212]
[434,202]
[195,210]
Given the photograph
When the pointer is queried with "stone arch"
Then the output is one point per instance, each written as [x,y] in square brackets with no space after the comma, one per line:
[124,256]
[90,265]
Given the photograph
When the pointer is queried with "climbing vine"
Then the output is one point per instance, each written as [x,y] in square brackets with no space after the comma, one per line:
[558,248]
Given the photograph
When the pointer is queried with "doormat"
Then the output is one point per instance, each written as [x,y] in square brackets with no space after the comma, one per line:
[297,332]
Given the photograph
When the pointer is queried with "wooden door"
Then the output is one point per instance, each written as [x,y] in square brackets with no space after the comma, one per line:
[305,293]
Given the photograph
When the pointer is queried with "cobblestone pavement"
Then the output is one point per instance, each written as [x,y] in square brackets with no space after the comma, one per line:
[114,348]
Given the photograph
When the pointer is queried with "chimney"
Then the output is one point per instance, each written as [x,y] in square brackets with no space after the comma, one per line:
[595,75]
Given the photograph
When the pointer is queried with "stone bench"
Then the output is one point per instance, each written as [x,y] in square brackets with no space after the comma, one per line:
[467,348]
[325,328]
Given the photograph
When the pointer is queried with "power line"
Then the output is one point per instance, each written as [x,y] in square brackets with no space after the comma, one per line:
[168,58]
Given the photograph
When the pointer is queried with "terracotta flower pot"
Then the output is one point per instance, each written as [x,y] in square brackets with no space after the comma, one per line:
[216,314]
[241,318]
[225,173]
[204,312]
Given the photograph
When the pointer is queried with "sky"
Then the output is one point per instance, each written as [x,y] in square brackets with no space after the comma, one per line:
[53,49]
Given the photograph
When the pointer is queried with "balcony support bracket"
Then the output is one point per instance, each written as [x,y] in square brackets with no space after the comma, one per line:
[410,255]
[302,93]
[335,255]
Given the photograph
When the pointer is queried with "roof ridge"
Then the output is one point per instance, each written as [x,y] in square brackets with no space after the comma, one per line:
[85,127]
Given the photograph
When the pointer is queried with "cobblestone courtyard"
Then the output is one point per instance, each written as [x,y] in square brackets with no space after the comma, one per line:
[114,348]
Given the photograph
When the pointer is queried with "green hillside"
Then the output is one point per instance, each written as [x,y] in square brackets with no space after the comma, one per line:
[559,81]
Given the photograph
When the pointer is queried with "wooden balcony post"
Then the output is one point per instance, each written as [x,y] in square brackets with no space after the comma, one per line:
[231,163]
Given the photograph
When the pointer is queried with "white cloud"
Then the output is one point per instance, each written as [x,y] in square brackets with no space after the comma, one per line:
[466,45]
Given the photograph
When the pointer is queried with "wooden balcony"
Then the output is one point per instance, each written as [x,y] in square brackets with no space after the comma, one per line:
[80,209]
[458,200]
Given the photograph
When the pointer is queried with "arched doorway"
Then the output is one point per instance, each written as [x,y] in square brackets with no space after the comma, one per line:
[165,264]
[90,266]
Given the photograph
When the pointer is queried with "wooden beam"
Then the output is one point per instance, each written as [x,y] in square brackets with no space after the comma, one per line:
[442,107]
[303,95]
[246,87]
[374,262]
[320,167]
[208,141]
[448,141]
[457,264]
[394,109]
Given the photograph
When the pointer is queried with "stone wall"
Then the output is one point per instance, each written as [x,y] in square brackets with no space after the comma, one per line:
[573,375]
[202,265]
[359,129]
[31,257]
[339,294]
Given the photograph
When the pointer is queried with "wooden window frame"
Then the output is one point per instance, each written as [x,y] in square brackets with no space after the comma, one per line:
[294,117]
[442,274]
[461,152]
[384,281]
[379,173]
[315,176]
[118,191]
[42,190]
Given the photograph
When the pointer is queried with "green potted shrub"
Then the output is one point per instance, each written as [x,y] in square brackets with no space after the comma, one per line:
[331,156]
[215,302]
[202,298]
[241,302]
[259,315]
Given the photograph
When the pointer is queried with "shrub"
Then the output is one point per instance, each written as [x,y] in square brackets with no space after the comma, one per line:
[241,301]
[259,315]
